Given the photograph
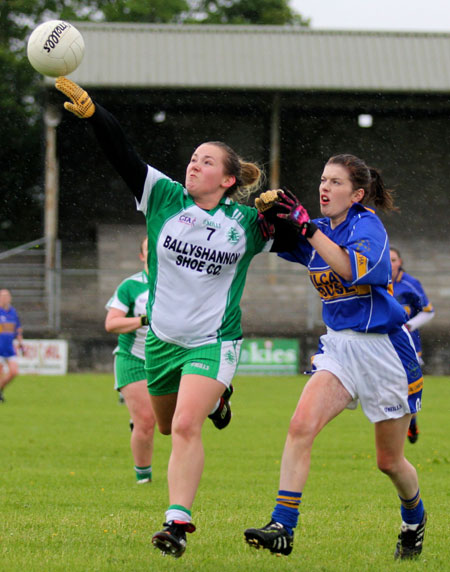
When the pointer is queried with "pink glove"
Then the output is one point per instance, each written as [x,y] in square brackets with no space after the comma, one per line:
[295,213]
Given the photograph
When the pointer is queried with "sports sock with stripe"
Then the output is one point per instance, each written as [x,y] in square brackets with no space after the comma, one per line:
[286,510]
[178,512]
[412,509]
[143,472]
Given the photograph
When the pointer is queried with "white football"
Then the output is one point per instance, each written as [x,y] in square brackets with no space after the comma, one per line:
[55,48]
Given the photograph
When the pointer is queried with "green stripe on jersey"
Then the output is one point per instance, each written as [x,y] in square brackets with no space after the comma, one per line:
[198,264]
[131,296]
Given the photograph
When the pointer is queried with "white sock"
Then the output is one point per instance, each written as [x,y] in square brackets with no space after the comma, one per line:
[216,406]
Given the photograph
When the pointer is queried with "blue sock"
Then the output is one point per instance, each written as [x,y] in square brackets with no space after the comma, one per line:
[286,510]
[412,509]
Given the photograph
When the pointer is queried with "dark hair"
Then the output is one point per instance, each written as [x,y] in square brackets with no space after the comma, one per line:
[248,175]
[396,250]
[366,178]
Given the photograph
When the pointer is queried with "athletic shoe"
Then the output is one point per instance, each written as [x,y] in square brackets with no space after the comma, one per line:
[144,481]
[2,399]
[172,538]
[273,536]
[410,540]
[413,432]
[222,415]
[131,425]
[228,392]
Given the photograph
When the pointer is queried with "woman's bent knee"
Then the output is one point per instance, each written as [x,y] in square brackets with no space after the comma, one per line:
[302,428]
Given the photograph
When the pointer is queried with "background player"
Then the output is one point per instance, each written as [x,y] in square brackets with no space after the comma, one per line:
[411,295]
[127,316]
[201,242]
[10,329]
[366,353]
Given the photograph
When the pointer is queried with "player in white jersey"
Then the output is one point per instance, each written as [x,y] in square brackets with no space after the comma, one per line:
[201,242]
[127,316]
[366,354]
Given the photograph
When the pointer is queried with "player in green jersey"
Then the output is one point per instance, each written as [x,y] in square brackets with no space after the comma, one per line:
[201,240]
[127,317]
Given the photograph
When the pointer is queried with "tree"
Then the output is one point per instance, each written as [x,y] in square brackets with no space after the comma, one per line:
[157,11]
[262,12]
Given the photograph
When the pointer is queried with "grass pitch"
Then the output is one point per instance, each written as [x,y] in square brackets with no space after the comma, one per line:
[68,498]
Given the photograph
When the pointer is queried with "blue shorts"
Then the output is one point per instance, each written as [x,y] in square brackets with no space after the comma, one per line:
[7,347]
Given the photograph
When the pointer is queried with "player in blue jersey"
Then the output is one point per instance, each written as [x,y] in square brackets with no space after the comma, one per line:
[10,329]
[127,316]
[201,240]
[367,354]
[411,295]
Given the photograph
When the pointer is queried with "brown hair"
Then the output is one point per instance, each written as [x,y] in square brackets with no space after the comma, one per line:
[248,175]
[396,250]
[367,178]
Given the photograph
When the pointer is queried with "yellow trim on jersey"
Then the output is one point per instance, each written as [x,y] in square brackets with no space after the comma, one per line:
[399,276]
[415,386]
[361,265]
[329,287]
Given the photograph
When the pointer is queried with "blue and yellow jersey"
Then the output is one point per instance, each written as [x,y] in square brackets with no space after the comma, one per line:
[409,292]
[366,303]
[9,324]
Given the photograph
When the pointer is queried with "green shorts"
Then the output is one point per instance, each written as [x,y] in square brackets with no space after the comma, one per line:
[127,369]
[165,363]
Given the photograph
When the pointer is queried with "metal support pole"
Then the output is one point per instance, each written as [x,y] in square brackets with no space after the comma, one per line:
[274,177]
[275,143]
[52,118]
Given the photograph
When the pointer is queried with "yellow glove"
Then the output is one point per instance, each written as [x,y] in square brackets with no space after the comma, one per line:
[82,105]
[266,200]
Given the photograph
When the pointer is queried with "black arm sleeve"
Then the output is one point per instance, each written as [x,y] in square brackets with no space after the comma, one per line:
[286,236]
[118,150]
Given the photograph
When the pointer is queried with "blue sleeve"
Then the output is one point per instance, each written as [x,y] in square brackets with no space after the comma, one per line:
[420,291]
[368,247]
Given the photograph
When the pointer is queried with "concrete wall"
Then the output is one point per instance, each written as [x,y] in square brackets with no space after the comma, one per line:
[278,299]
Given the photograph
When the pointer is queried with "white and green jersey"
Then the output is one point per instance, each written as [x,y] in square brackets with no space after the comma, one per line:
[198,264]
[131,296]
[198,259]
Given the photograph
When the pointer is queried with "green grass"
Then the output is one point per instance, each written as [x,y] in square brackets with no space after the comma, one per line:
[68,500]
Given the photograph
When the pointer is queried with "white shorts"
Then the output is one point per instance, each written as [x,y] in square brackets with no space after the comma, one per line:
[381,370]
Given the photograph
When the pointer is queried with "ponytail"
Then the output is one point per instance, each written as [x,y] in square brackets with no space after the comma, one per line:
[367,178]
[378,194]
[248,176]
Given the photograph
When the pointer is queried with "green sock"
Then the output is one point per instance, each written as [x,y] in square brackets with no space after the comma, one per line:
[143,472]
